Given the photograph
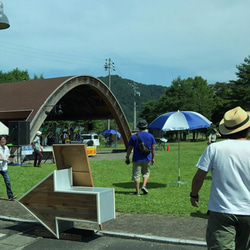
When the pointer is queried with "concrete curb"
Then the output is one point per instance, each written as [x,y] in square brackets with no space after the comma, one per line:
[13,219]
[151,238]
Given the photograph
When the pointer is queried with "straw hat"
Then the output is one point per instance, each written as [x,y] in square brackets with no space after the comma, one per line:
[235,120]
[38,132]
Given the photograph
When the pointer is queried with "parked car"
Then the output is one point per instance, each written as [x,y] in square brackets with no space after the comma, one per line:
[91,139]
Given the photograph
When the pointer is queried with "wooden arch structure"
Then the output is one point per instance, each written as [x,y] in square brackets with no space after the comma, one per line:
[80,97]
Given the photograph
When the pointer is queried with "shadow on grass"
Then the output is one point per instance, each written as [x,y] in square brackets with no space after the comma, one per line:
[125,192]
[199,214]
[132,185]
[27,166]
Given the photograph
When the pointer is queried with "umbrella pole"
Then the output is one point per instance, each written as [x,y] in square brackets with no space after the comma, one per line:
[179,168]
[179,165]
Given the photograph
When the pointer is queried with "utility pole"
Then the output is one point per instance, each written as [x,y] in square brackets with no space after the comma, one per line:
[109,65]
[134,86]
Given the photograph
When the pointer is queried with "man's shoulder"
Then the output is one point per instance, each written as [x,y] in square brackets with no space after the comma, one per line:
[151,135]
[133,135]
[147,135]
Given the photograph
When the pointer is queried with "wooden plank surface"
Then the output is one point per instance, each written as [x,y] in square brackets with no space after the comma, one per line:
[46,204]
[75,156]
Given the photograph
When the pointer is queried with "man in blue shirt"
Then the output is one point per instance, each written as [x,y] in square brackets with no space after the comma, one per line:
[141,161]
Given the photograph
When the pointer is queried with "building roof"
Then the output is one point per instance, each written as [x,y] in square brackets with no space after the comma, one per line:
[25,97]
[79,98]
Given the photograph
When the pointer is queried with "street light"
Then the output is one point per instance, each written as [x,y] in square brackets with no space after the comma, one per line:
[4,22]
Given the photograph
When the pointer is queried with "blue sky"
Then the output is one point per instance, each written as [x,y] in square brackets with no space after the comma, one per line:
[149,41]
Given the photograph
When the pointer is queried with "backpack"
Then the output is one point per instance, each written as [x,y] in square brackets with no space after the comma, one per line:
[143,148]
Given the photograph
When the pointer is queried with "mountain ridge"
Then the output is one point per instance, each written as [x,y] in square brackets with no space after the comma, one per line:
[128,91]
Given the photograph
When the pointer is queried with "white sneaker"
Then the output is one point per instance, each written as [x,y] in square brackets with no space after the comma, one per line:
[137,194]
[144,190]
[12,198]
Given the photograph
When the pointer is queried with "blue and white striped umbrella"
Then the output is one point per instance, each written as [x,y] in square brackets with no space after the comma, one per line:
[177,121]
[180,120]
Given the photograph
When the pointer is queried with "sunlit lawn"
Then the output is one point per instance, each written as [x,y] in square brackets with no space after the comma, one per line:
[162,198]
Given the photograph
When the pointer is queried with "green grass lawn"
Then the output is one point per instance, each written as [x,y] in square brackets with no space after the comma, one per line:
[162,198]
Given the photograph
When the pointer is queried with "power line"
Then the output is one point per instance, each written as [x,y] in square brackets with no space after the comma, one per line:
[14,49]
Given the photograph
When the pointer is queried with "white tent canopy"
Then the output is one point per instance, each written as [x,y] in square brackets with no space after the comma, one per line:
[4,130]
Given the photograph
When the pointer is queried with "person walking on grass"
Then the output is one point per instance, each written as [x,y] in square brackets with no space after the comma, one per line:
[229,202]
[141,161]
[212,138]
[38,149]
[4,155]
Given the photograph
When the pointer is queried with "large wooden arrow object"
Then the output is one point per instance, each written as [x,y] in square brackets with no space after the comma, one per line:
[62,197]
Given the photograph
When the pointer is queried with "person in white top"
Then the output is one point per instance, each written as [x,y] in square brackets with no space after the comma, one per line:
[213,136]
[4,155]
[229,201]
[38,149]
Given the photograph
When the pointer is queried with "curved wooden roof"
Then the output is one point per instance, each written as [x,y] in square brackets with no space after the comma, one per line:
[80,97]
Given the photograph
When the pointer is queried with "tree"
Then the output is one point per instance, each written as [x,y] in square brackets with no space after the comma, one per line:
[15,75]
[38,77]
[241,87]
[202,97]
[122,90]
[151,110]
[222,100]
[191,94]
[177,95]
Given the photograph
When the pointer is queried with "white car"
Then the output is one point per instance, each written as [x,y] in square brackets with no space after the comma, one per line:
[91,139]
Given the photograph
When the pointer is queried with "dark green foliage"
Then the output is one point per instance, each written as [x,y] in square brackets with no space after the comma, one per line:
[222,100]
[125,94]
[192,94]
[15,75]
[241,87]
[235,93]
[38,77]
[210,100]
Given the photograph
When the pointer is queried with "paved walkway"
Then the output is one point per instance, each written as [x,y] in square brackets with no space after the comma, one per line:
[186,230]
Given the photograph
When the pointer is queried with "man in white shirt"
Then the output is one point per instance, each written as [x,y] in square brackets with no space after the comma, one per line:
[229,201]
[4,155]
